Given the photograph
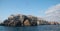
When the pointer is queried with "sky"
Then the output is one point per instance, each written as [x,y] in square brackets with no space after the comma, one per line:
[53,13]
[27,7]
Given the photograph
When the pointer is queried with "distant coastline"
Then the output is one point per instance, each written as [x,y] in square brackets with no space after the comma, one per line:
[24,20]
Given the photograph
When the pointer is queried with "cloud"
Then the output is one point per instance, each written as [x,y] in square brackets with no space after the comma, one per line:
[53,8]
[53,13]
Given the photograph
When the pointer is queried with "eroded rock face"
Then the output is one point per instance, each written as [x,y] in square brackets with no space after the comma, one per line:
[27,23]
[17,20]
[54,23]
[23,20]
[33,20]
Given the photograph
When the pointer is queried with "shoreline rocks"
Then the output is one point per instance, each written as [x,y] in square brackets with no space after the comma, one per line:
[23,20]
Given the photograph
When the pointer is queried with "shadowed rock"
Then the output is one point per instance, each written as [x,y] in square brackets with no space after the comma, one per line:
[23,20]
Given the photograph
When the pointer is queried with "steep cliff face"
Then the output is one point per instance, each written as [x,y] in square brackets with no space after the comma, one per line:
[33,20]
[23,20]
[20,20]
[27,23]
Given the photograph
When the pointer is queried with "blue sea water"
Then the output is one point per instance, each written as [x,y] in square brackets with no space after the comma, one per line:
[32,28]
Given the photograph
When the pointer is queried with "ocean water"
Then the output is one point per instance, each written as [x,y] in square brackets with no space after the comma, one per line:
[32,28]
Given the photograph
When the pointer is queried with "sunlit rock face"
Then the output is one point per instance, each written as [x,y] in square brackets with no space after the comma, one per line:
[20,20]
[23,20]
[33,20]
[43,22]
[27,23]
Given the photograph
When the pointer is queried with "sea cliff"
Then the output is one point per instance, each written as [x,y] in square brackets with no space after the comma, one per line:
[25,20]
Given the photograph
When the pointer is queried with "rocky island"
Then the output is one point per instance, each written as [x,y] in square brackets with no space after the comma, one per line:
[25,20]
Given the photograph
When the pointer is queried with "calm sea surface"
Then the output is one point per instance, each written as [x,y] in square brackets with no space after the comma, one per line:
[32,28]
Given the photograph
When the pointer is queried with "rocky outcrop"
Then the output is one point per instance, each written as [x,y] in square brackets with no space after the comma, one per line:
[33,20]
[20,20]
[54,23]
[23,20]
[42,22]
[27,23]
